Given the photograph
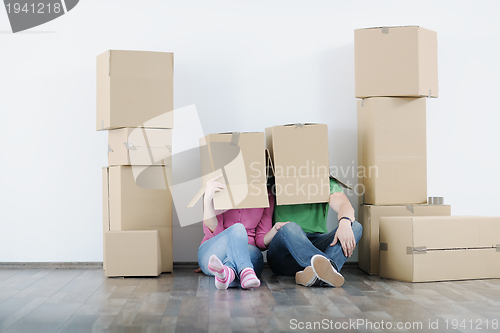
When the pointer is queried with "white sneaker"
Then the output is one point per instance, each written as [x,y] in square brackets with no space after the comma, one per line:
[306,277]
[324,270]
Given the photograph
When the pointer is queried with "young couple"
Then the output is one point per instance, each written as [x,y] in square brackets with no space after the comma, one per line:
[298,244]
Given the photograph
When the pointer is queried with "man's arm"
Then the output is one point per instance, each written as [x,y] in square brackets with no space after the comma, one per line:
[341,204]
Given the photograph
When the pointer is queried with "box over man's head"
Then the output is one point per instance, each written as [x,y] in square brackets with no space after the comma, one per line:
[299,154]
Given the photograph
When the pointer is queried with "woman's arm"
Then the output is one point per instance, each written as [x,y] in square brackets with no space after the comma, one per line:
[265,230]
[269,236]
[265,224]
[209,216]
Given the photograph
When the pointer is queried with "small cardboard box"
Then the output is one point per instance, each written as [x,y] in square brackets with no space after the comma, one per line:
[241,159]
[132,253]
[138,198]
[395,61]
[135,89]
[369,217]
[439,248]
[299,154]
[139,146]
[392,152]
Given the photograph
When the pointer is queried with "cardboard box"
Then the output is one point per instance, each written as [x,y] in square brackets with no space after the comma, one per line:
[395,61]
[392,152]
[369,217]
[439,248]
[135,89]
[299,153]
[138,198]
[139,146]
[241,159]
[133,253]
[105,214]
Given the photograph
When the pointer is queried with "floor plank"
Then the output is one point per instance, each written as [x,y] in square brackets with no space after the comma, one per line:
[72,300]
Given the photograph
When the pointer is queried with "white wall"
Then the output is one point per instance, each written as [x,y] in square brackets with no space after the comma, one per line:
[245,66]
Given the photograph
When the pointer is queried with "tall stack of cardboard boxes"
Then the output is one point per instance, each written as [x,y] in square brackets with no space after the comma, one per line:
[134,103]
[403,237]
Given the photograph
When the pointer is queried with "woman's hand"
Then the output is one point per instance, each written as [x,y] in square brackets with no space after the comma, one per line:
[278,225]
[269,236]
[213,186]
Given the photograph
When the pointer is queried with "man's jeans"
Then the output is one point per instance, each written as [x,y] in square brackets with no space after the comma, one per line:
[232,248]
[291,249]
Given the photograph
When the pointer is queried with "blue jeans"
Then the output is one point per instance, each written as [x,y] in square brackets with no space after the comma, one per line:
[232,248]
[291,249]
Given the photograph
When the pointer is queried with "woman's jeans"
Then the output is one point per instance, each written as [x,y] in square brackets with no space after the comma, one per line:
[232,248]
[291,249]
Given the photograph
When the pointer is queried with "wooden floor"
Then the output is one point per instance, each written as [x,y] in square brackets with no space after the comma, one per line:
[83,300]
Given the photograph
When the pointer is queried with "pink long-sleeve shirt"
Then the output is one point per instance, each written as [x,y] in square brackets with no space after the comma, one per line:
[257,222]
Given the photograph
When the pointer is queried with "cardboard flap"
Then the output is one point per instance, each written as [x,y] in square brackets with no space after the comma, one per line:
[344,185]
[269,165]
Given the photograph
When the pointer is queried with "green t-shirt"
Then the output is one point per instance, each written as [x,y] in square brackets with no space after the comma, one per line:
[310,216]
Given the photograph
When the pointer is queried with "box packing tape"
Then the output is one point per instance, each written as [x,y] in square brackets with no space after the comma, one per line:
[416,250]
[235,138]
[436,201]
[129,146]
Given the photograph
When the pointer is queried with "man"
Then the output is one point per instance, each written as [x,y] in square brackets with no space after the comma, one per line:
[305,248]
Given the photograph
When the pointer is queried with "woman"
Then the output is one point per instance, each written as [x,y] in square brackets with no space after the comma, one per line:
[231,248]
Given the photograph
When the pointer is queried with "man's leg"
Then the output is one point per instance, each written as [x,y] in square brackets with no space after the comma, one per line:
[334,253]
[290,250]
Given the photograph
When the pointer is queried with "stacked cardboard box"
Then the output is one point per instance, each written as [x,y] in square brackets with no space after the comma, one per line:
[395,69]
[403,238]
[134,103]
[437,248]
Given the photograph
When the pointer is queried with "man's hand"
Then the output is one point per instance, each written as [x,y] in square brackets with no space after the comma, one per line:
[345,236]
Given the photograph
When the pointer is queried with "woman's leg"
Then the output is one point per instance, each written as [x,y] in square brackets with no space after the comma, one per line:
[256,258]
[216,245]
[231,247]
[239,254]
[237,247]
[213,261]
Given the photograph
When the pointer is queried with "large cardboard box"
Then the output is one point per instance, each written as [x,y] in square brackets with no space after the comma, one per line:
[138,198]
[241,159]
[134,89]
[369,217]
[395,61]
[139,146]
[133,253]
[392,152]
[439,248]
[299,153]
